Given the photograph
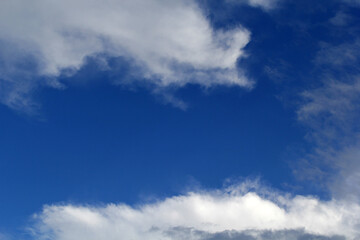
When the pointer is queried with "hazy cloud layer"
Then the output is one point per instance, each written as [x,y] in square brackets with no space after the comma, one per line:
[331,111]
[354,2]
[187,233]
[2,237]
[224,214]
[171,43]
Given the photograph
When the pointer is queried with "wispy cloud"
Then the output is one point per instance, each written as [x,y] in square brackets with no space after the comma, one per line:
[340,56]
[331,110]
[340,19]
[354,2]
[232,213]
[5,237]
[171,43]
[331,113]
[264,4]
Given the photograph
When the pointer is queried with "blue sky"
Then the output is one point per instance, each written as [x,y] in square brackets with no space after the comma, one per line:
[231,119]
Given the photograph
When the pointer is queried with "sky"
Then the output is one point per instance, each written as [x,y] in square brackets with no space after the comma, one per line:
[174,120]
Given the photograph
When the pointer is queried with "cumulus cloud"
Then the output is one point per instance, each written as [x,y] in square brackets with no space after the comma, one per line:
[171,43]
[232,213]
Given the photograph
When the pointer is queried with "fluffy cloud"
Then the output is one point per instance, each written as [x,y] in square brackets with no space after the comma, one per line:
[171,43]
[224,214]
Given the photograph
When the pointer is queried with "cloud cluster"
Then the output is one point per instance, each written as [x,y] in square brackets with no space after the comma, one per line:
[223,214]
[170,43]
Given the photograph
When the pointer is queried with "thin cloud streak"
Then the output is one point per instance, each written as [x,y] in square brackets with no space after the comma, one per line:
[266,5]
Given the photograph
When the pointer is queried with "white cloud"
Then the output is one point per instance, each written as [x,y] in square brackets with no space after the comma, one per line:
[170,42]
[264,4]
[223,214]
